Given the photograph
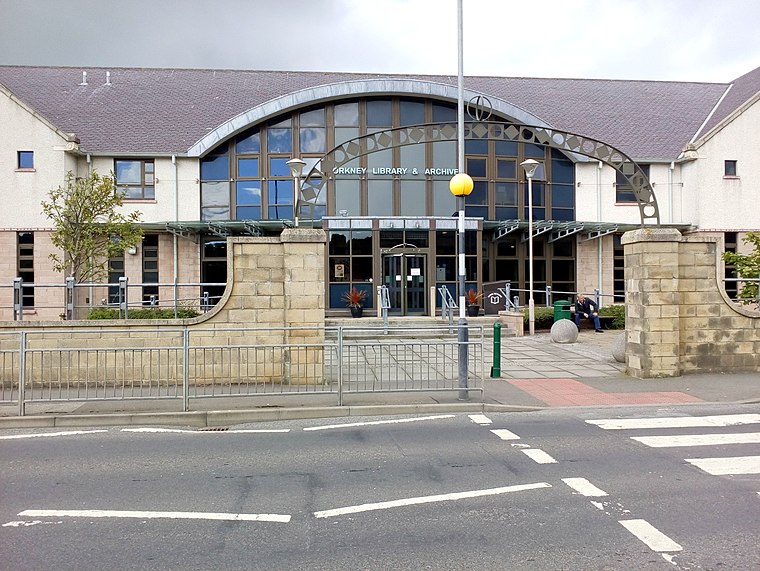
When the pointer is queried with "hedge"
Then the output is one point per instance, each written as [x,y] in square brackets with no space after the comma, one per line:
[144,313]
[544,316]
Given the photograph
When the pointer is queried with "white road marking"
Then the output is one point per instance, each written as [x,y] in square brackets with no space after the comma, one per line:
[374,422]
[698,439]
[598,505]
[727,466]
[538,456]
[50,434]
[650,535]
[480,419]
[428,499]
[584,487]
[277,518]
[183,431]
[29,523]
[505,434]
[253,431]
[159,430]
[676,422]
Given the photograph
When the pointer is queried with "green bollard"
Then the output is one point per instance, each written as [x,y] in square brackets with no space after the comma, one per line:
[496,368]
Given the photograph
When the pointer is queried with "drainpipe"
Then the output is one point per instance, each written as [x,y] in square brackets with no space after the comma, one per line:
[175,240]
[599,219]
[90,290]
[670,189]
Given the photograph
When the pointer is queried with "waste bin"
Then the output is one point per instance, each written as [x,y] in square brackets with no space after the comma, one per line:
[561,310]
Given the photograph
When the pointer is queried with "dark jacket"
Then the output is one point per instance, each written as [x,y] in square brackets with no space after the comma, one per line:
[587,306]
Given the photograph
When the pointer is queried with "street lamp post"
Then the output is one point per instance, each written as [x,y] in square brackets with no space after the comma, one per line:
[460,186]
[296,170]
[530,167]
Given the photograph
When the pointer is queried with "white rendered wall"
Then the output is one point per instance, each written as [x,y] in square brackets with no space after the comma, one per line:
[721,203]
[593,185]
[22,191]
[164,208]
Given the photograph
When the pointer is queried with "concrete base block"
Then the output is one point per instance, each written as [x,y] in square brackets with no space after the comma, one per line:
[513,320]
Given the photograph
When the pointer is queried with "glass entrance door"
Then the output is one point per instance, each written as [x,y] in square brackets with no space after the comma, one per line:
[404,274]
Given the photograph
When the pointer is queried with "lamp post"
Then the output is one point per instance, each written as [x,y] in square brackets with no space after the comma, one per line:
[296,170]
[460,186]
[530,167]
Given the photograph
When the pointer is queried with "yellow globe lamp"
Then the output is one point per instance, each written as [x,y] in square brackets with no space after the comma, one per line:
[461,184]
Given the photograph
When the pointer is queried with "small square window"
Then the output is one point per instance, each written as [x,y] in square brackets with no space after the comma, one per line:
[26,159]
[729,168]
[135,178]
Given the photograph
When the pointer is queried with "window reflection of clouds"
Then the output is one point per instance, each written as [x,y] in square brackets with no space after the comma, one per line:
[215,193]
[347,114]
[313,140]
[280,140]
[128,172]
[249,144]
[248,192]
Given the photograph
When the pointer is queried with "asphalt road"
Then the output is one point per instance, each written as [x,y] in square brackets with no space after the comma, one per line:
[556,489]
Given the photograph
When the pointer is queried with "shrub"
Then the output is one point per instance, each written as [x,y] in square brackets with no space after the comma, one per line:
[616,311]
[144,313]
[543,317]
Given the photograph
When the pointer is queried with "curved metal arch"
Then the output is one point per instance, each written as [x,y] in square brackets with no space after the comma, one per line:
[316,178]
[350,89]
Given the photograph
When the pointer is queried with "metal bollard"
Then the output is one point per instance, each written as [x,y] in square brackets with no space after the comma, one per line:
[496,368]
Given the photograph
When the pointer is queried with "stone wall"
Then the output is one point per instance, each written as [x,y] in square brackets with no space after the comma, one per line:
[274,299]
[678,316]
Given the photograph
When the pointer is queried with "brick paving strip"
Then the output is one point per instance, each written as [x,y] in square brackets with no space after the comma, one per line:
[569,392]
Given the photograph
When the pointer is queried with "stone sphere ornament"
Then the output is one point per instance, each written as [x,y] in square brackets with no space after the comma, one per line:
[564,331]
[618,348]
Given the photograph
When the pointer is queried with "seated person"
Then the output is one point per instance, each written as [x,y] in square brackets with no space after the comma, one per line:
[586,308]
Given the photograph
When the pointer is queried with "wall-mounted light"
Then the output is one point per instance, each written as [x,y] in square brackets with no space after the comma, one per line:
[131,250]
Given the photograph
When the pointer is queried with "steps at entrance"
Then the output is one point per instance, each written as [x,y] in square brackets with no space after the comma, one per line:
[419,326]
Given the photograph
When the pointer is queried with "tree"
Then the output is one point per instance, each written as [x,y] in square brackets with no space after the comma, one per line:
[88,226]
[747,266]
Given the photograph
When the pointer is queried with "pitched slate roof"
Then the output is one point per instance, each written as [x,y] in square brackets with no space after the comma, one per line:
[742,89]
[162,111]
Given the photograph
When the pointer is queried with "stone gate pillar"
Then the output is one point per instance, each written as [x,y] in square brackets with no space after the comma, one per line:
[652,302]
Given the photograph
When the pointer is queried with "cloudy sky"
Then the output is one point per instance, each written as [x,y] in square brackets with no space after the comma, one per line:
[684,40]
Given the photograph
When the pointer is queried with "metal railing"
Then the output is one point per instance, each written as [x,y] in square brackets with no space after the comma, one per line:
[448,305]
[117,296]
[513,302]
[185,363]
[753,302]
[385,304]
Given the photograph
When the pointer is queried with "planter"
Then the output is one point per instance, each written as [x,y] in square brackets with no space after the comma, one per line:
[473,310]
[356,310]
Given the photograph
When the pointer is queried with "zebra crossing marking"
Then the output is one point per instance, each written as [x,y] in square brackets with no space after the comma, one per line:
[717,466]
[727,466]
[698,439]
[676,421]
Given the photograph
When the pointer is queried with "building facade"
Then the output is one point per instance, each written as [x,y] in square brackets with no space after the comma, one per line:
[203,154]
